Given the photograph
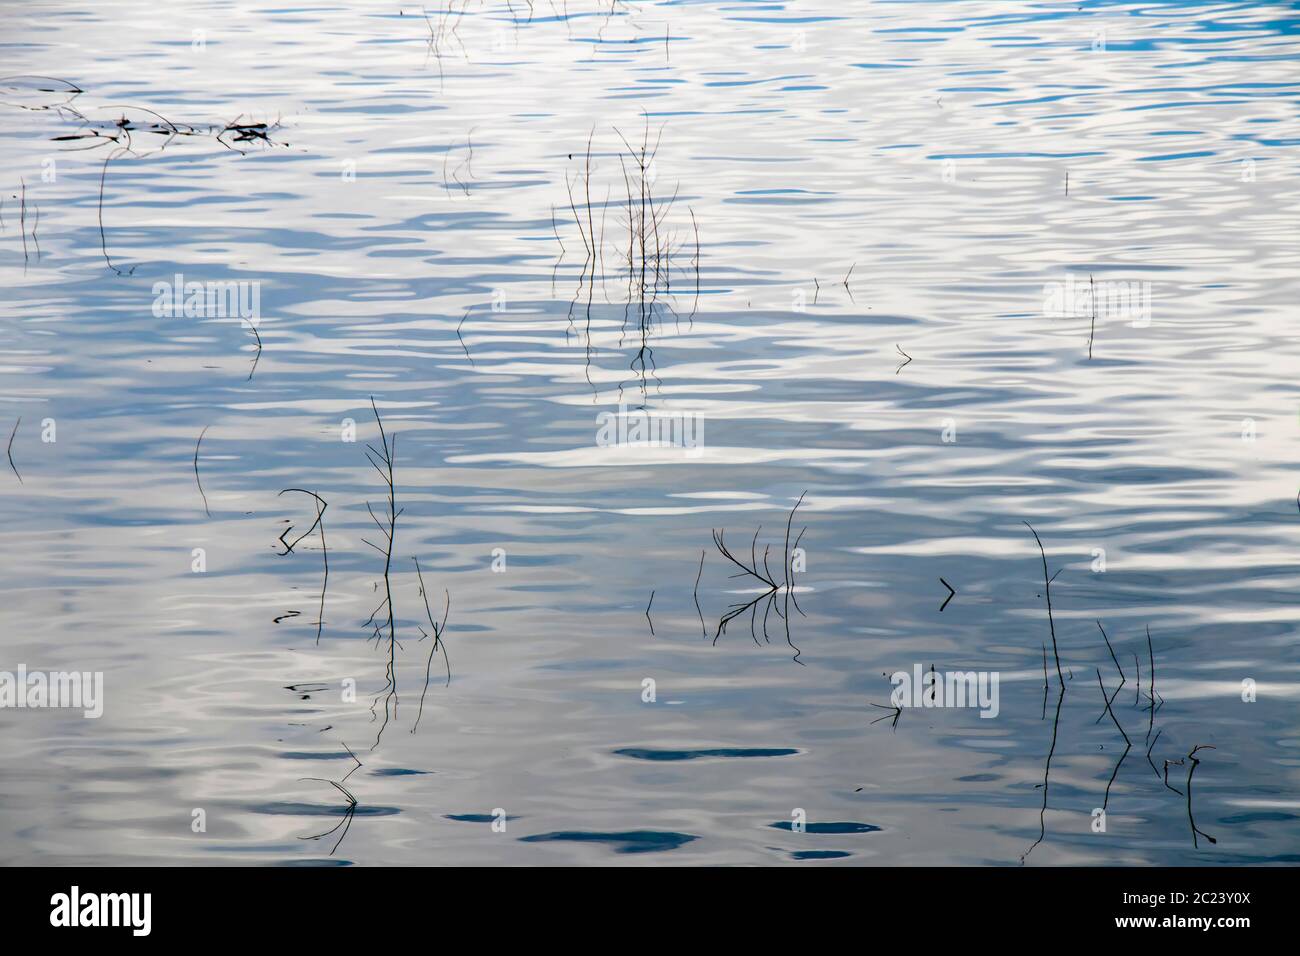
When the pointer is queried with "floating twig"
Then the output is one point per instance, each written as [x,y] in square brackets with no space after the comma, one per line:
[703,630]
[382,461]
[458,335]
[1122,679]
[1044,717]
[1047,591]
[1173,763]
[1190,819]
[321,505]
[346,822]
[1152,747]
[900,351]
[1128,744]
[762,574]
[1092,330]
[11,449]
[896,712]
[1047,772]
[196,469]
[438,630]
[951,591]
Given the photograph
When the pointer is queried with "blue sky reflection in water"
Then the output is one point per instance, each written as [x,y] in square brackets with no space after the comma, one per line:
[943,269]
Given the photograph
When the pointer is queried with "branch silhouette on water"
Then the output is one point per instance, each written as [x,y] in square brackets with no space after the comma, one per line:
[1128,744]
[760,572]
[1190,771]
[1122,679]
[1047,592]
[350,812]
[1060,698]
[894,712]
[1047,773]
[382,459]
[12,434]
[439,629]
[321,505]
[196,469]
[700,573]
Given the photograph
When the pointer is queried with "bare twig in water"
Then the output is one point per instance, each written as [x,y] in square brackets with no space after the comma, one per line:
[439,629]
[346,822]
[36,222]
[899,348]
[703,630]
[760,572]
[458,335]
[237,132]
[321,505]
[951,592]
[1128,744]
[1047,590]
[257,356]
[1173,763]
[382,461]
[103,239]
[1122,679]
[845,283]
[750,570]
[1190,819]
[696,264]
[1151,748]
[196,469]
[44,84]
[896,712]
[1152,694]
[11,449]
[1092,329]
[22,218]
[556,231]
[647,613]
[1047,772]
[1044,717]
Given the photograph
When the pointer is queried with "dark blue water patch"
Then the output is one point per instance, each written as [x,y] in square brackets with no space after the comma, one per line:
[814,18]
[315,862]
[261,848]
[1170,157]
[1019,155]
[846,827]
[626,841]
[755,80]
[397,772]
[318,755]
[644,753]
[980,778]
[772,192]
[1265,816]
[819,854]
[474,817]
[289,809]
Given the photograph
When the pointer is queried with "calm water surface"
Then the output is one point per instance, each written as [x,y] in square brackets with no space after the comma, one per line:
[868,182]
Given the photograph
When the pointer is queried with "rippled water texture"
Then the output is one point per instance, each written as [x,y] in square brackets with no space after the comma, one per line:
[876,223]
